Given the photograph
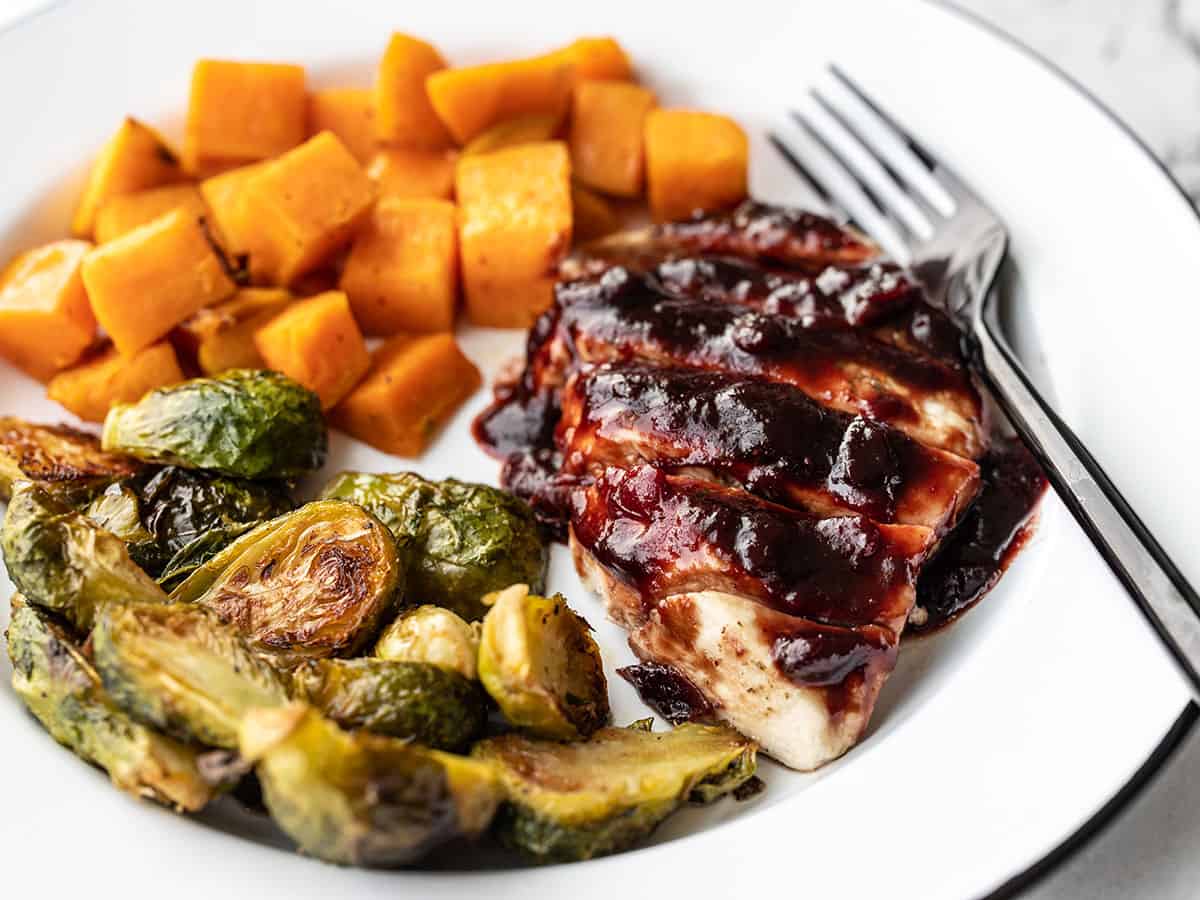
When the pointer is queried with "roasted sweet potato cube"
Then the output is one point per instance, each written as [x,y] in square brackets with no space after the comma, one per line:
[414,173]
[125,212]
[413,387]
[608,124]
[135,158]
[224,197]
[403,114]
[402,272]
[107,377]
[514,229]
[317,343]
[513,132]
[472,99]
[694,160]
[147,281]
[597,58]
[304,206]
[350,114]
[240,112]
[592,216]
[221,337]
[45,320]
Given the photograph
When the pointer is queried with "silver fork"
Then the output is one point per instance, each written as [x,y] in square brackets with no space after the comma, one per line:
[872,173]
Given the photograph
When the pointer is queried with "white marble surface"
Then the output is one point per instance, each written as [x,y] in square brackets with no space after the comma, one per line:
[1142,59]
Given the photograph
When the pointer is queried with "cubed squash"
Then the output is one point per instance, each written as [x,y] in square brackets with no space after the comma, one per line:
[223,196]
[135,158]
[413,387]
[403,114]
[414,173]
[511,133]
[514,228]
[402,272]
[304,206]
[317,343]
[107,377]
[125,212]
[221,337]
[45,320]
[472,99]
[608,124]
[350,114]
[147,281]
[597,58]
[240,112]
[593,216]
[694,160]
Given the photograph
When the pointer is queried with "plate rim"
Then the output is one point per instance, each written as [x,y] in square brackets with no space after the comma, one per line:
[1116,805]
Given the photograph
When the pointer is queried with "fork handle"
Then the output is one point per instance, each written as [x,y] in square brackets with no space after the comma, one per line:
[1164,596]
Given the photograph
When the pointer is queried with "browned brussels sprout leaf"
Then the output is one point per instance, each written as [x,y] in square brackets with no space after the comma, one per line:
[61,459]
[437,707]
[461,540]
[245,423]
[62,690]
[359,798]
[590,798]
[181,669]
[64,562]
[538,660]
[310,584]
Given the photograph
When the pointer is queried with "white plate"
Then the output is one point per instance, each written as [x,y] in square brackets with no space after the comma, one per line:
[994,740]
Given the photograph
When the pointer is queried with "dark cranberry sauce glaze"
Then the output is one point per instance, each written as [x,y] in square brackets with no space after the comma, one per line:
[667,691]
[668,534]
[766,436]
[972,558]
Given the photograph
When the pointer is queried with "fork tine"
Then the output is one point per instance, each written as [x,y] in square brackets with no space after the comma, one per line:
[824,167]
[859,159]
[836,210]
[900,147]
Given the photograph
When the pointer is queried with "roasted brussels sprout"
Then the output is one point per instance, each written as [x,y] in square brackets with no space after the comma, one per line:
[310,584]
[461,540]
[62,561]
[360,798]
[575,801]
[179,668]
[437,707]
[178,518]
[430,634]
[61,459]
[58,684]
[245,423]
[539,662]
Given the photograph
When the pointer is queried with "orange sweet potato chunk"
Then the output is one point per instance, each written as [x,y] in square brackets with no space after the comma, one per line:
[304,206]
[608,123]
[317,343]
[414,173]
[472,99]
[350,114]
[597,58]
[402,272]
[694,160]
[515,225]
[221,337]
[135,158]
[45,320]
[240,112]
[403,114]
[126,212]
[593,216]
[147,281]
[107,377]
[414,386]
[513,132]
